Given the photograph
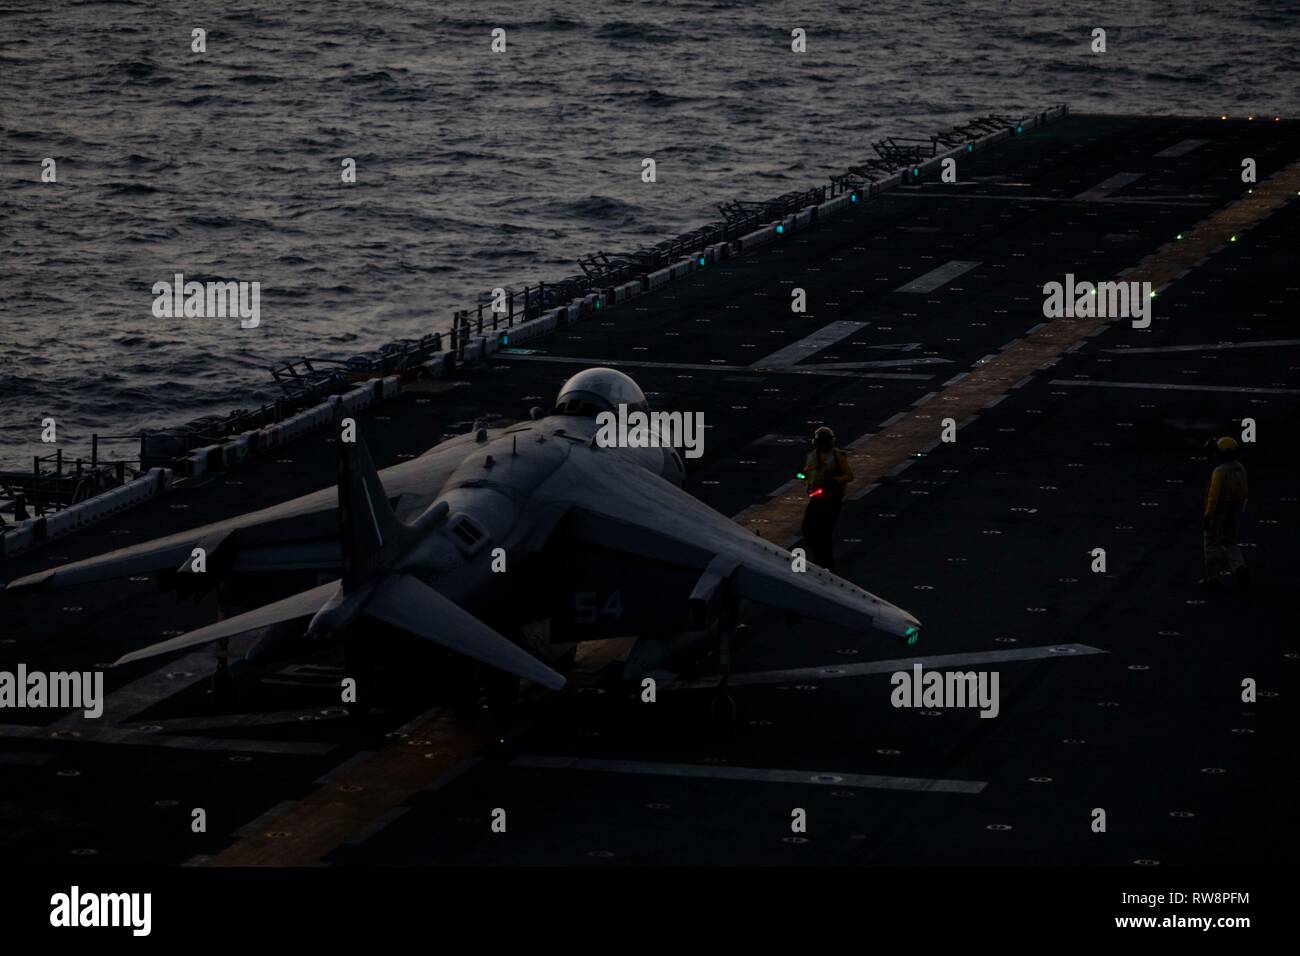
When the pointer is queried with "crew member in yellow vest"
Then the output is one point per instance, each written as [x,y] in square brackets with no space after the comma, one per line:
[1225,501]
[827,474]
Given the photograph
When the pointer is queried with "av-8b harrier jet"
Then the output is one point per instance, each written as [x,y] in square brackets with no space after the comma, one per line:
[489,532]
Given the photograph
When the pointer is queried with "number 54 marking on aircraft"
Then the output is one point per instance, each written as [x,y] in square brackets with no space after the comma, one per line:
[588,608]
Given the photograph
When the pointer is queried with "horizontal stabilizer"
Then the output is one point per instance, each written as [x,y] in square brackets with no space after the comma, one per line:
[407,602]
[301,605]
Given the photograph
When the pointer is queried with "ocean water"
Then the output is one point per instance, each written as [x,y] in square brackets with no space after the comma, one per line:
[474,169]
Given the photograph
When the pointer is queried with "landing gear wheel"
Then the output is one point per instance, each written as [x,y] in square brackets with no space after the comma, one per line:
[723,707]
[221,688]
[222,685]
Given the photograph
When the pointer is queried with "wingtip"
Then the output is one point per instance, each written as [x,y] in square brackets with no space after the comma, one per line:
[32,582]
[138,655]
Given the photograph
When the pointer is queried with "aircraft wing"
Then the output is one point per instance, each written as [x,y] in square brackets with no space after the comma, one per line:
[295,535]
[630,510]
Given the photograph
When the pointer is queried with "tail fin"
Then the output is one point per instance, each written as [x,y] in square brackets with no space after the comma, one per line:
[369,532]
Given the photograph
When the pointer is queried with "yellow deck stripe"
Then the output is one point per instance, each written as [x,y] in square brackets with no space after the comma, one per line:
[368,790]
[780,518]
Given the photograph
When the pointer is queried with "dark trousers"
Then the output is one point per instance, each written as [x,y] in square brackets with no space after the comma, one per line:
[1222,553]
[818,529]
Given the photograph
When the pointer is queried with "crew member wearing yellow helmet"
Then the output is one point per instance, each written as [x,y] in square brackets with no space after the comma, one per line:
[1225,501]
[827,474]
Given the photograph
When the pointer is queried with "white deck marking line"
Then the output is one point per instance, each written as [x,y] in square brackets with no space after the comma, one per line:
[1107,186]
[933,662]
[1161,386]
[686,366]
[879,363]
[144,692]
[138,695]
[1181,148]
[939,277]
[171,725]
[864,781]
[1208,347]
[1126,200]
[21,759]
[824,337]
[140,738]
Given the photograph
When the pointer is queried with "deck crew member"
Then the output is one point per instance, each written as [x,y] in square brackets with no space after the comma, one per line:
[827,473]
[1225,500]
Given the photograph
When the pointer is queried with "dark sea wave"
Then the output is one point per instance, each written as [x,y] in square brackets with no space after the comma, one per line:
[474,169]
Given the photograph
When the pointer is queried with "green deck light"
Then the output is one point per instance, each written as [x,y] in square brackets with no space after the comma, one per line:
[912,633]
[780,229]
[800,475]
[701,260]
[1179,236]
[853,197]
[970,147]
[1233,239]
[1020,129]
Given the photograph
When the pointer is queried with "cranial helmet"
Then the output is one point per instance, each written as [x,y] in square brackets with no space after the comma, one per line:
[1226,448]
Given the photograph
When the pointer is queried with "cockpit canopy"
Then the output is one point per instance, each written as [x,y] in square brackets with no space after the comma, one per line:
[597,390]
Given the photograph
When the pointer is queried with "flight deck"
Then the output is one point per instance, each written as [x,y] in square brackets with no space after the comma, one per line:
[1120,689]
